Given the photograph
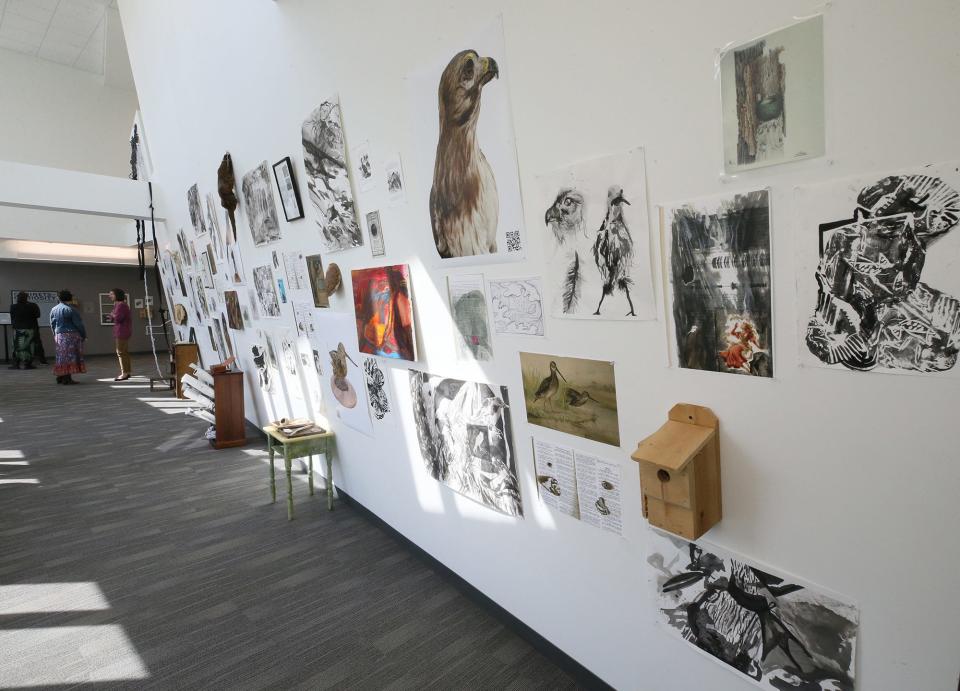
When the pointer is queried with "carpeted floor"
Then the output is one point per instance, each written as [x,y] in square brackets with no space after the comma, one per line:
[134,555]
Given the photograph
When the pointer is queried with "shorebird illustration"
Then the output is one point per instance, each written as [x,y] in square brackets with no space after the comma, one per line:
[579,398]
[550,385]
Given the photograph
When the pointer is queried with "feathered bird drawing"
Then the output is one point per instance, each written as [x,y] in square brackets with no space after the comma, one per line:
[463,200]
[565,219]
[613,249]
[578,398]
[565,215]
[550,385]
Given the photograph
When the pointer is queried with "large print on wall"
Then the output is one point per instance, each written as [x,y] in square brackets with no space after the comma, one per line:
[772,93]
[259,204]
[596,232]
[573,395]
[780,634]
[719,272]
[384,311]
[328,185]
[465,438]
[878,284]
[345,380]
[266,290]
[465,131]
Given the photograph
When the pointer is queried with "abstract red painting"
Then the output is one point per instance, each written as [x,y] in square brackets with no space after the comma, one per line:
[384,309]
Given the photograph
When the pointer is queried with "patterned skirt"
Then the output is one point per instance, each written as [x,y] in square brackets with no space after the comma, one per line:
[69,354]
[23,345]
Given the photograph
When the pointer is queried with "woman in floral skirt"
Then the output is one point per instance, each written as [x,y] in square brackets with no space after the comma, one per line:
[69,335]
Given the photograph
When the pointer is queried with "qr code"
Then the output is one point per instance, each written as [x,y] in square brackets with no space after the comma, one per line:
[513,241]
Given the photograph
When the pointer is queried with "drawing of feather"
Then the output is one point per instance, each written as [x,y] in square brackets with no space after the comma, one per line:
[572,284]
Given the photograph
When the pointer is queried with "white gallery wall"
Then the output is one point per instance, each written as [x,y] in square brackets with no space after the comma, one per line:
[847,480]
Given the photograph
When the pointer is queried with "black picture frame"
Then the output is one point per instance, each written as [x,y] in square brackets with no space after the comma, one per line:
[285,166]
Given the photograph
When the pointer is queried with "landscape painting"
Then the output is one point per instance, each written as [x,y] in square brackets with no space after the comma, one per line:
[878,285]
[328,184]
[720,283]
[573,395]
[464,131]
[260,206]
[465,438]
[772,94]
[773,630]
[384,311]
[596,234]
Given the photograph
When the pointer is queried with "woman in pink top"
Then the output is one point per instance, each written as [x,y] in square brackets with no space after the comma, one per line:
[121,331]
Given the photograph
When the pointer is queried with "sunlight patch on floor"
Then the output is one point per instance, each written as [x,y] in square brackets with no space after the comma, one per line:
[11,453]
[14,462]
[81,596]
[20,481]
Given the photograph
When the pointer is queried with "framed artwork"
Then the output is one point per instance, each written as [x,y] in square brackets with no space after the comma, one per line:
[287,186]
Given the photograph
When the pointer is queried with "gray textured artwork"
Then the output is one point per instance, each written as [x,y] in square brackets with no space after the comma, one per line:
[465,439]
[468,305]
[376,388]
[259,205]
[266,291]
[517,306]
[781,635]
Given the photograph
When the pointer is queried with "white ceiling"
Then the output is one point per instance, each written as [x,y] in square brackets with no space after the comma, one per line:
[68,32]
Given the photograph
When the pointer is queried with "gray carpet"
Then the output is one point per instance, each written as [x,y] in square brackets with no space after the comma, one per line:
[134,555]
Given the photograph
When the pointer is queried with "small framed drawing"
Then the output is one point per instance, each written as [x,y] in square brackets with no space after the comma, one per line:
[287,185]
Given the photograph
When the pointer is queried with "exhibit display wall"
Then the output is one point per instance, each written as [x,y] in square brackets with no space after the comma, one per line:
[844,479]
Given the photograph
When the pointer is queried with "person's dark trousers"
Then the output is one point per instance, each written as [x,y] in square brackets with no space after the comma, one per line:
[38,347]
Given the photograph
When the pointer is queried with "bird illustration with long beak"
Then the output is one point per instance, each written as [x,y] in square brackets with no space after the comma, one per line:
[550,385]
[613,249]
[464,206]
[578,398]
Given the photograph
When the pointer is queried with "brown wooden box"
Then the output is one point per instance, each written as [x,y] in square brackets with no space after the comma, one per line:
[183,355]
[680,472]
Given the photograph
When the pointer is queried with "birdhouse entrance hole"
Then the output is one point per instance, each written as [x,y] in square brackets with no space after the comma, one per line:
[663,475]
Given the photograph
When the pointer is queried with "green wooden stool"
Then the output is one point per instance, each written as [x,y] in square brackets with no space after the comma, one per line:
[298,447]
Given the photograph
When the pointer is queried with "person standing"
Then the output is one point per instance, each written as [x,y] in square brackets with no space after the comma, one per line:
[69,335]
[26,329]
[122,329]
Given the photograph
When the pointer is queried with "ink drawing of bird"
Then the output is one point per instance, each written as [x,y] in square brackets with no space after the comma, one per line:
[613,249]
[565,215]
[464,205]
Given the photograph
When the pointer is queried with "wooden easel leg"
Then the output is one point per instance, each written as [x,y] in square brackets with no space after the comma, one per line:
[286,463]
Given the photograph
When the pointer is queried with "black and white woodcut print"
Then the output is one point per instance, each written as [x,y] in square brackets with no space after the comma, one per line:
[463,119]
[879,272]
[328,185]
[772,93]
[780,634]
[266,290]
[376,382]
[596,232]
[259,205]
[196,213]
[465,438]
[720,283]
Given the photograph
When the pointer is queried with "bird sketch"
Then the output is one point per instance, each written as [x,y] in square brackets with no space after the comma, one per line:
[328,184]
[465,439]
[336,335]
[341,387]
[602,273]
[613,250]
[780,634]
[557,391]
[464,206]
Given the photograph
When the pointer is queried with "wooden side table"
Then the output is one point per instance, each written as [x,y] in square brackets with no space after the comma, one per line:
[298,447]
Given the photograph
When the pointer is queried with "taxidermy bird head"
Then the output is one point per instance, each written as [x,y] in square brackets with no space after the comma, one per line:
[464,207]
[565,215]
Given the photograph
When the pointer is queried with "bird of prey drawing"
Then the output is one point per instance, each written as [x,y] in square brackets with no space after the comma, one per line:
[463,200]
[613,249]
[565,215]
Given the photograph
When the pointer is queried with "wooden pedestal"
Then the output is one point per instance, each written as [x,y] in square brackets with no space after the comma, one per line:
[228,411]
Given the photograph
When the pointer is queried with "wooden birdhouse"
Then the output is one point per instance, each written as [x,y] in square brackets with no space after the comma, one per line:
[680,472]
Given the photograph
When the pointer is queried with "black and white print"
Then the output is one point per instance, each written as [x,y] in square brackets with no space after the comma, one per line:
[393,181]
[328,185]
[363,167]
[375,230]
[213,224]
[196,213]
[878,287]
[517,306]
[720,284]
[596,233]
[288,350]
[775,631]
[260,206]
[377,388]
[465,438]
[266,291]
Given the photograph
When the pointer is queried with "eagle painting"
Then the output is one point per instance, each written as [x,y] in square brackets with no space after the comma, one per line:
[463,200]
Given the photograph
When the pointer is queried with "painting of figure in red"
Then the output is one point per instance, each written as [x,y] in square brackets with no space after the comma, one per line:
[381,298]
